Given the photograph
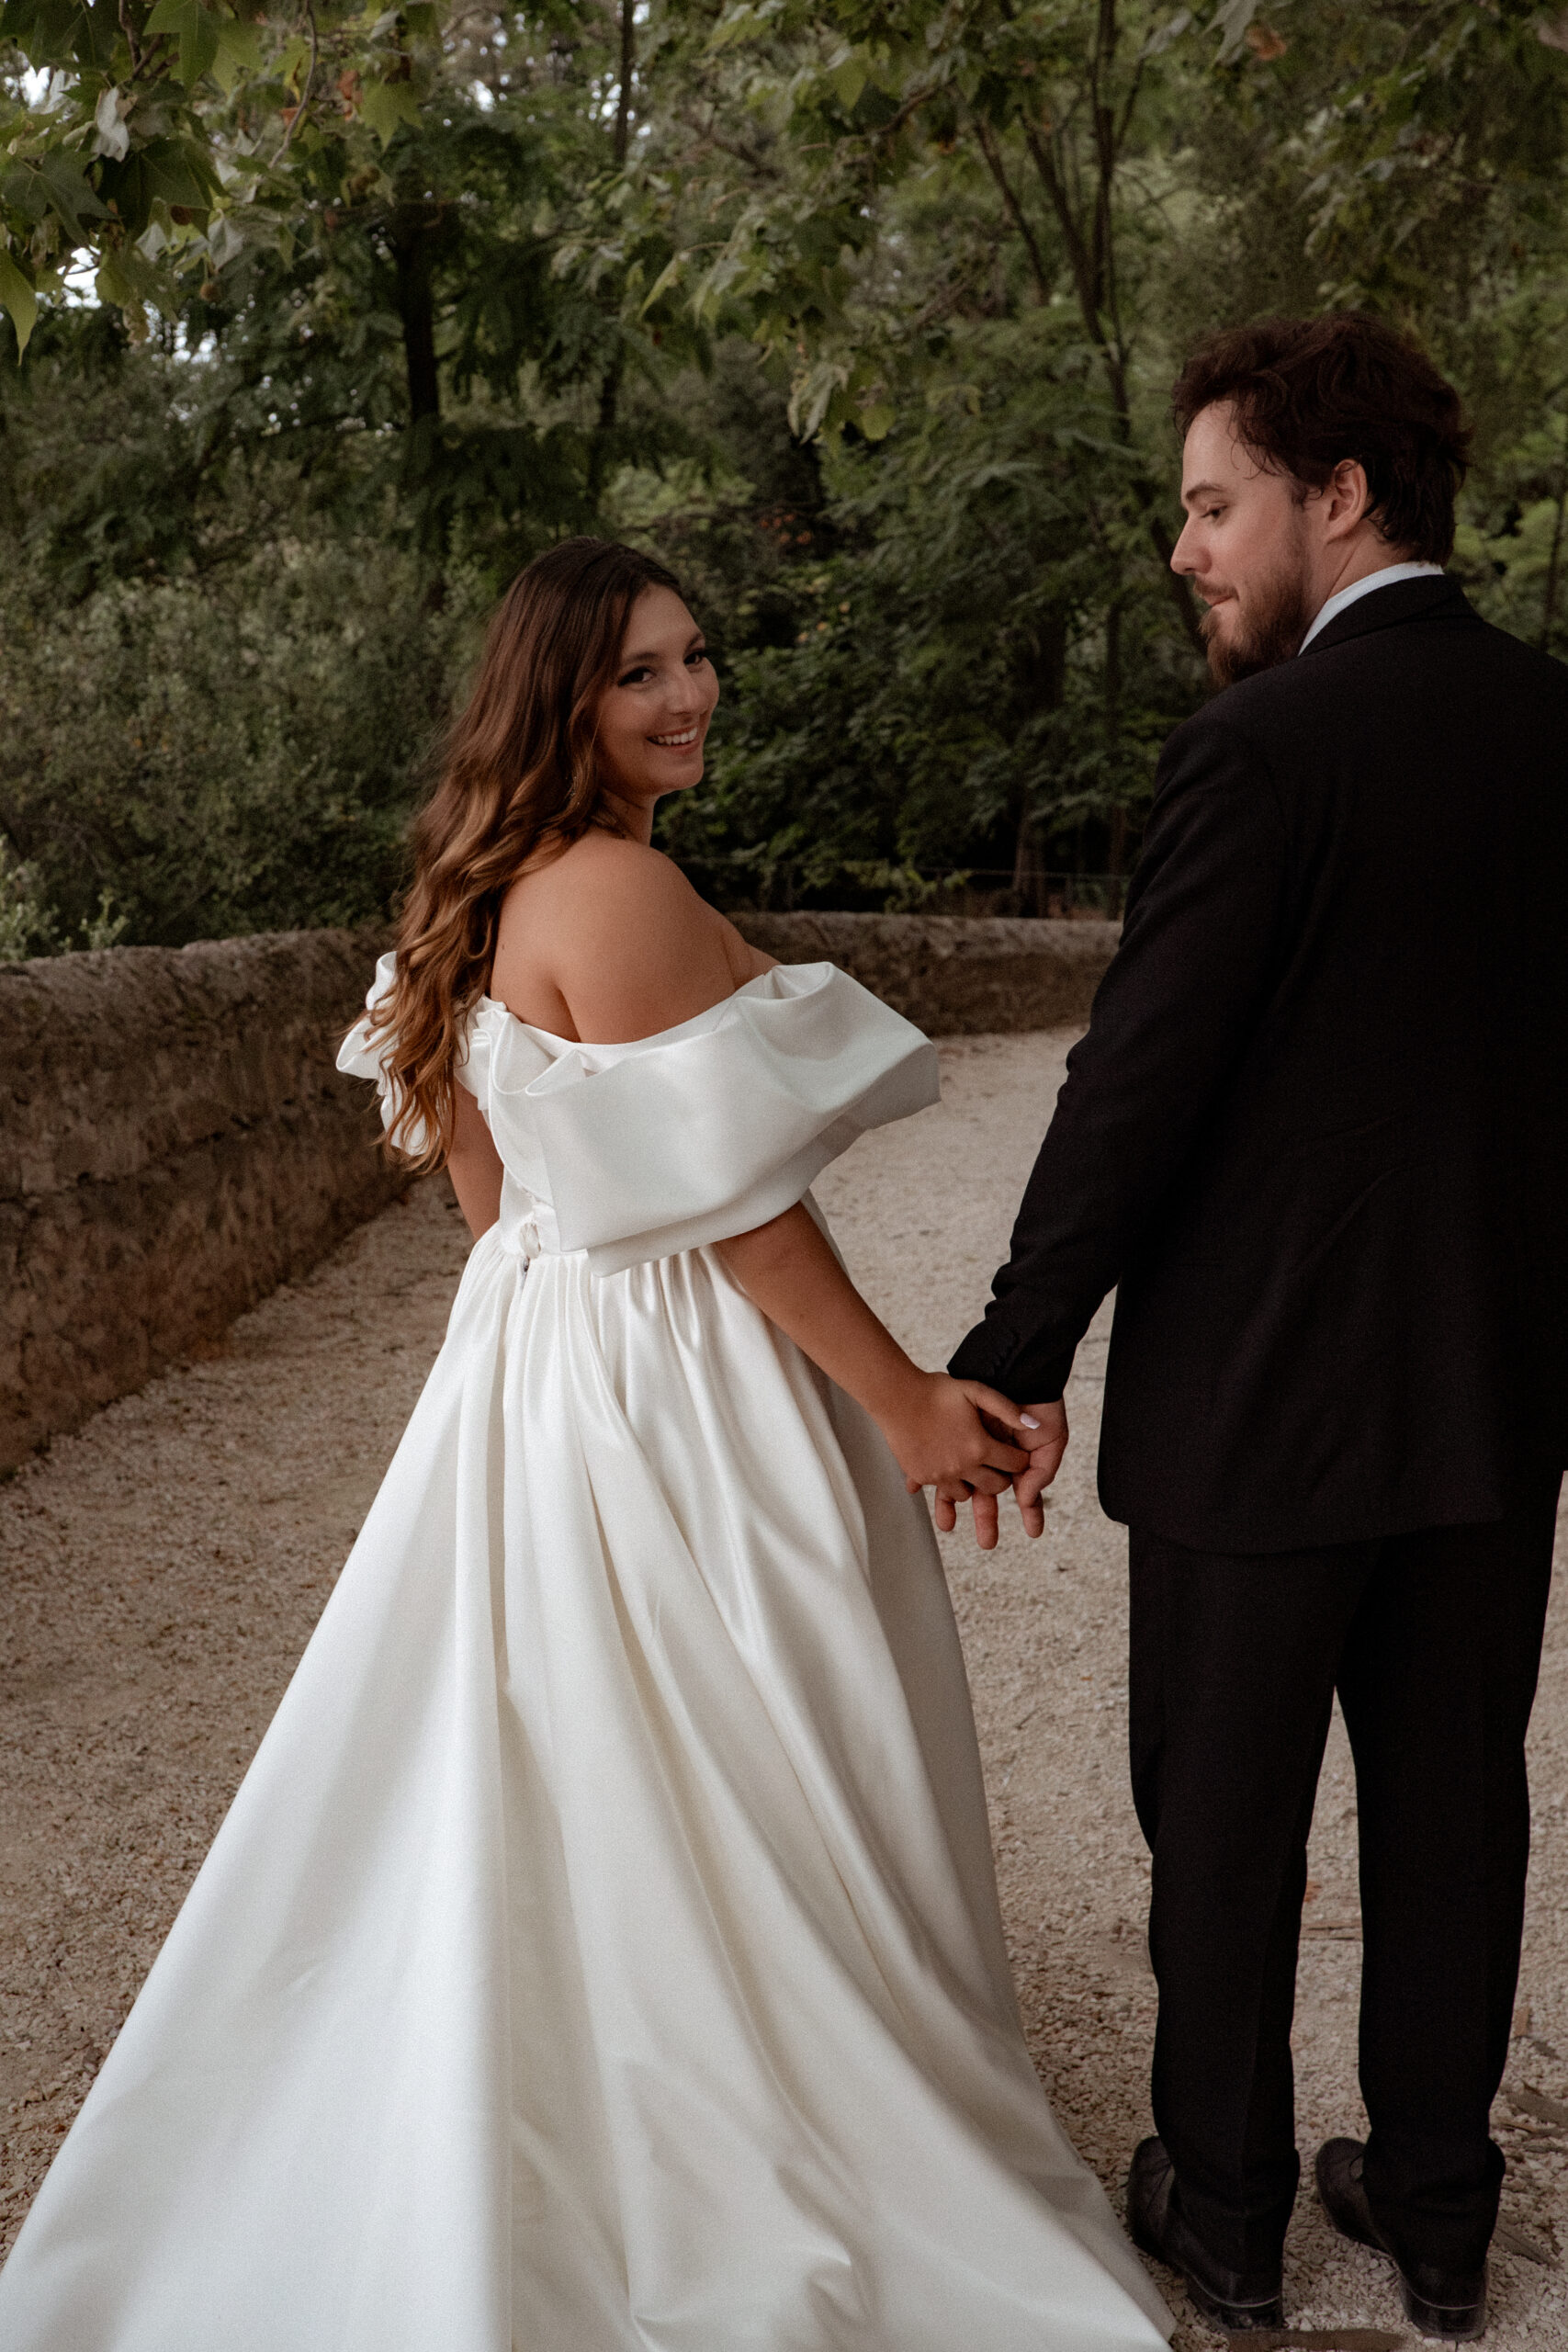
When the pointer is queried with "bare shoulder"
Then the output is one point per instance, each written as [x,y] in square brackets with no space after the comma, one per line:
[601,883]
[612,935]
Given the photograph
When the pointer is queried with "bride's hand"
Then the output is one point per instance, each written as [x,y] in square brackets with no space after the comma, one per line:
[1046,1426]
[949,1433]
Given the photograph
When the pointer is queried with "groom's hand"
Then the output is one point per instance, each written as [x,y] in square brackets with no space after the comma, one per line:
[1044,1460]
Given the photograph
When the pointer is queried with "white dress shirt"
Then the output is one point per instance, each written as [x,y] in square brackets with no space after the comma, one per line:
[1383,578]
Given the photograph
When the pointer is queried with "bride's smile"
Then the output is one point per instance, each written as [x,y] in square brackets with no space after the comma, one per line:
[653,720]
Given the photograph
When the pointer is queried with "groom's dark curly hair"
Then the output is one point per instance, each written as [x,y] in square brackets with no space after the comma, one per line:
[1308,394]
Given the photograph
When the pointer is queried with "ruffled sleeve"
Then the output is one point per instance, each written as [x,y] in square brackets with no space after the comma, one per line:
[363,1055]
[636,1151]
[715,1127]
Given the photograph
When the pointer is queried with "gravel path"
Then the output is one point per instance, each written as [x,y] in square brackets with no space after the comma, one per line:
[161,1571]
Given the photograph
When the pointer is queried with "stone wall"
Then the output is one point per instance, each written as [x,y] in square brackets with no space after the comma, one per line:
[174,1143]
[175,1140]
[951,975]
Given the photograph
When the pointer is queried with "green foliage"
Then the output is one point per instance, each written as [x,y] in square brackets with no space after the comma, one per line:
[863,312]
[947,698]
[28,925]
[196,758]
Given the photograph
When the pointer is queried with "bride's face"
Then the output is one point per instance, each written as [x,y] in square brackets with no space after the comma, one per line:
[654,720]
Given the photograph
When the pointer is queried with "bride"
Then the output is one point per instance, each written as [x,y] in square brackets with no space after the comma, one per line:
[602,1952]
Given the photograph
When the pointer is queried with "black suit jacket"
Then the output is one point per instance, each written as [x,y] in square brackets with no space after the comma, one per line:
[1317,1131]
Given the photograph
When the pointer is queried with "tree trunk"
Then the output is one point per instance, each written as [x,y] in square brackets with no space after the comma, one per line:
[628,69]
[411,242]
[1116,854]
[1044,683]
[1554,560]
[412,237]
[1028,865]
[610,383]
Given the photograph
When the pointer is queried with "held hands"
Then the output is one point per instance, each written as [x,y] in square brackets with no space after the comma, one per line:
[967,1441]
[957,1435]
[1043,1430]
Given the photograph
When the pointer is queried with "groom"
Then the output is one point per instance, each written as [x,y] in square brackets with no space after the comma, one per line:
[1317,1134]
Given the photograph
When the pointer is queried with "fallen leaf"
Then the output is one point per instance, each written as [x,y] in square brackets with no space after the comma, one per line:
[1519,2242]
[1536,2103]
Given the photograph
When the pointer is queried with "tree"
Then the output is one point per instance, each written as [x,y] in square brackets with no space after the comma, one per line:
[1036,207]
[370,217]
[862,310]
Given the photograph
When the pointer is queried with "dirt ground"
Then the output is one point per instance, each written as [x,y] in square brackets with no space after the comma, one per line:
[161,1571]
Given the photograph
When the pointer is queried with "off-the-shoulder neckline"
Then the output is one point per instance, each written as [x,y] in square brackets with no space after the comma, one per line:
[625,1045]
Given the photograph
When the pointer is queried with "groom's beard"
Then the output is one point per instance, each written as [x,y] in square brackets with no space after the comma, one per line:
[1278,618]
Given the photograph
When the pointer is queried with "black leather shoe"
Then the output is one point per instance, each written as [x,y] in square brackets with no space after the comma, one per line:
[1234,2299]
[1447,2304]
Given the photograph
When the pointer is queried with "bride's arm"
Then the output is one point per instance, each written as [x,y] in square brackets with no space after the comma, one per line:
[474,1165]
[933,1424]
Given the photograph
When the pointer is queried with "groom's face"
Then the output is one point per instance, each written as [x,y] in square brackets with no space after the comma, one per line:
[1246,548]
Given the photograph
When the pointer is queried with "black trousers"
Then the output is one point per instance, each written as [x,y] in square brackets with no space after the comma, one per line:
[1433,1642]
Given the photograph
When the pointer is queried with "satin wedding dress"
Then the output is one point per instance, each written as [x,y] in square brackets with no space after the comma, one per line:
[602,1953]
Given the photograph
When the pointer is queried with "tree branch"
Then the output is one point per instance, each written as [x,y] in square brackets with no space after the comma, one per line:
[623,94]
[1072,236]
[992,154]
[1102,59]
[309,77]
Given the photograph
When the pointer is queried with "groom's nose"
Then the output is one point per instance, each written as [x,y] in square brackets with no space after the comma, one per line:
[1184,555]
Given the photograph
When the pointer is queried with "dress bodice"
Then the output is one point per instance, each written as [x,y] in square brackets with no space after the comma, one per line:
[633,1151]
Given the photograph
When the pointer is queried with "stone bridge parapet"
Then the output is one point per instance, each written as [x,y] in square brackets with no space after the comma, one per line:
[174,1141]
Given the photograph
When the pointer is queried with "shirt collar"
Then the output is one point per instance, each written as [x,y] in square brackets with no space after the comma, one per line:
[1386,578]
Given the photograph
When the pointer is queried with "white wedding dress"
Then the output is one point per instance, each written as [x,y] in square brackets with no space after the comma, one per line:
[602,1953]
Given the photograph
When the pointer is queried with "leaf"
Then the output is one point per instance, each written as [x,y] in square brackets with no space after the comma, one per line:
[114,134]
[55,183]
[1519,2242]
[60,32]
[196,32]
[383,104]
[178,171]
[1161,38]
[848,79]
[1536,2103]
[223,242]
[666,278]
[17,297]
[1265,43]
[877,422]
[116,286]
[1231,18]
[239,52]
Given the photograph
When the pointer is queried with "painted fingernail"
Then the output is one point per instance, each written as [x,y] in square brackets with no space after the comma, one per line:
[1027,1422]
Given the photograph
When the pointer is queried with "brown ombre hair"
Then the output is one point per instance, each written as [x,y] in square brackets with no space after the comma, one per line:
[519,774]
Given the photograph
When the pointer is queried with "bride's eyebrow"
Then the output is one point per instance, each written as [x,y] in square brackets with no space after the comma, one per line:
[641,660]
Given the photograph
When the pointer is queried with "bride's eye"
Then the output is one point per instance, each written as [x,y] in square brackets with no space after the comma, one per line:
[634,677]
[697,653]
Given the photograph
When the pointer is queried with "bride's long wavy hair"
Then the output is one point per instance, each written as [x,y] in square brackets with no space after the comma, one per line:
[519,774]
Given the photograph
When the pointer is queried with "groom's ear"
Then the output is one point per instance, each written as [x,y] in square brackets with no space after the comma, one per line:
[1343,503]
